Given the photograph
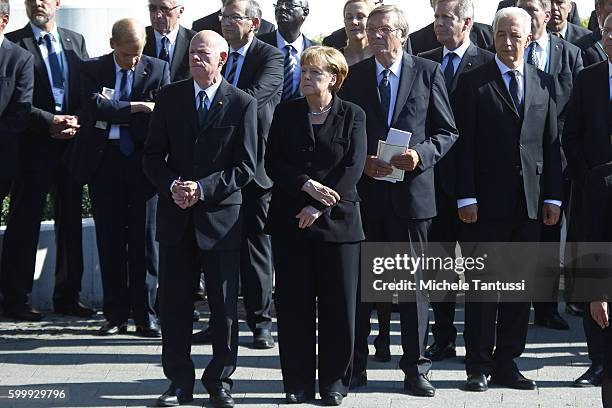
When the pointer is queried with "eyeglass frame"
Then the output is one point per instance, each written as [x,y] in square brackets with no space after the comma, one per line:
[234,18]
[384,30]
[162,9]
[284,7]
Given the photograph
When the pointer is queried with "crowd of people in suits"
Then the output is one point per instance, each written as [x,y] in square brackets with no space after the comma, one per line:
[239,155]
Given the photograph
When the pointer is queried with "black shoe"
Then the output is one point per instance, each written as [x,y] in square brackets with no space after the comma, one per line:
[151,330]
[358,380]
[419,385]
[383,352]
[202,337]
[437,352]
[262,339]
[295,397]
[477,383]
[553,321]
[23,312]
[332,398]
[221,399]
[574,309]
[514,380]
[196,316]
[591,378]
[76,308]
[109,329]
[173,397]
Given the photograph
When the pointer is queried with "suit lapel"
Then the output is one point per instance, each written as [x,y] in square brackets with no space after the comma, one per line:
[465,65]
[218,105]
[141,74]
[405,85]
[188,104]
[73,62]
[249,61]
[371,89]
[109,72]
[498,85]
[333,124]
[151,44]
[556,49]
[31,45]
[530,89]
[180,48]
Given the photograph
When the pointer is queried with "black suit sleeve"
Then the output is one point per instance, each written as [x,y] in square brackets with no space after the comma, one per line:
[14,118]
[553,184]
[466,108]
[573,130]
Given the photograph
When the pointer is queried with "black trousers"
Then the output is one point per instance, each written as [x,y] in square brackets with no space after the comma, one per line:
[151,257]
[119,193]
[28,197]
[256,271]
[179,268]
[413,315]
[315,278]
[499,325]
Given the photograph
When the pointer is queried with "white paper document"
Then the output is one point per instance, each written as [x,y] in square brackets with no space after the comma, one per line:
[397,142]
[398,137]
[108,94]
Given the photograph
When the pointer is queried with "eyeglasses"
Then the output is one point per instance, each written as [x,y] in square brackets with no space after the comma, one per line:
[286,6]
[234,18]
[164,10]
[381,30]
[606,32]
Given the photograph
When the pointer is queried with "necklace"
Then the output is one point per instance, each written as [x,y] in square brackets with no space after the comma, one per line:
[320,113]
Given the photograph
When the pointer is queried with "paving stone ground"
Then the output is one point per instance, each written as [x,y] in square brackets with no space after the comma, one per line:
[125,371]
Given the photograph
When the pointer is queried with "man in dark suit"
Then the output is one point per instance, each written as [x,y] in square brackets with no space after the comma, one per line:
[17,71]
[107,154]
[506,186]
[407,93]
[592,47]
[586,142]
[560,26]
[290,16]
[201,151]
[425,38]
[452,25]
[573,16]
[58,54]
[256,68]
[563,61]
[213,22]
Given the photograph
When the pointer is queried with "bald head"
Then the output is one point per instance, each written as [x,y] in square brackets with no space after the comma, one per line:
[211,39]
[207,55]
[128,30]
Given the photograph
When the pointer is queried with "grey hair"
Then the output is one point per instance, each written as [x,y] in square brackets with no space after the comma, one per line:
[464,8]
[544,4]
[513,12]
[5,8]
[252,10]
[402,23]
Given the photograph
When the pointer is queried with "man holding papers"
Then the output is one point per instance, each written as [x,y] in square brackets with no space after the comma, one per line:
[399,91]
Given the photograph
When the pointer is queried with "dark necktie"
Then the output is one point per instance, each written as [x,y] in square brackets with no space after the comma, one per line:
[126,145]
[164,53]
[449,70]
[289,70]
[202,109]
[558,35]
[532,57]
[54,62]
[384,90]
[231,74]
[515,91]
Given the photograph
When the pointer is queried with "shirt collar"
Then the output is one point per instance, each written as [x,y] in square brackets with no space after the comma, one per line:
[298,44]
[211,91]
[117,67]
[171,35]
[504,69]
[396,67]
[1,39]
[563,31]
[243,50]
[543,41]
[38,32]
[459,51]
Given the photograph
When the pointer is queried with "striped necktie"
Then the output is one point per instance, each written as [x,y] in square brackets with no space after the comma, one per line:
[289,71]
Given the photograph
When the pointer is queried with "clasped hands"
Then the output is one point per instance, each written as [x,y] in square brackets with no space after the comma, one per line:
[64,126]
[185,193]
[323,194]
[407,161]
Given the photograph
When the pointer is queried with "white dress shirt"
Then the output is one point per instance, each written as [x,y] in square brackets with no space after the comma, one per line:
[57,46]
[542,45]
[459,52]
[563,31]
[230,60]
[171,42]
[298,45]
[1,39]
[394,79]
[115,132]
[463,202]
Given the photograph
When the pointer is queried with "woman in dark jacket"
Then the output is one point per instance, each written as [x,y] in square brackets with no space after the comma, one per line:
[315,156]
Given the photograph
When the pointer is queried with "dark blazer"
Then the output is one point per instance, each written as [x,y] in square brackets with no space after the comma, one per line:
[474,57]
[90,144]
[338,40]
[179,66]
[334,157]
[211,22]
[270,38]
[565,64]
[261,77]
[592,53]
[425,38]
[593,24]
[36,149]
[588,124]
[221,156]
[575,32]
[16,88]
[598,204]
[497,145]
[422,107]
[573,16]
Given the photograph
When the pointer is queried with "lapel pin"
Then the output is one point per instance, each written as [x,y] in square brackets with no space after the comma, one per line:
[68,40]
[220,102]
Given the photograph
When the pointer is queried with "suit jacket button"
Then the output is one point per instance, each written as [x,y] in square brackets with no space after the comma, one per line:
[310,149]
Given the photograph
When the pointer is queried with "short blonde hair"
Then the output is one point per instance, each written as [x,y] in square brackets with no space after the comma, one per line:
[369,4]
[331,59]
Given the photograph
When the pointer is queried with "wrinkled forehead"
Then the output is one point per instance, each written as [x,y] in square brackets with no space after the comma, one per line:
[381,19]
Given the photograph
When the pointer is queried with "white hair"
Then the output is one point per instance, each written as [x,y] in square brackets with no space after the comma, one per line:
[513,12]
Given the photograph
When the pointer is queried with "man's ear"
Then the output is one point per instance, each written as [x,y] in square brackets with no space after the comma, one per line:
[306,11]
